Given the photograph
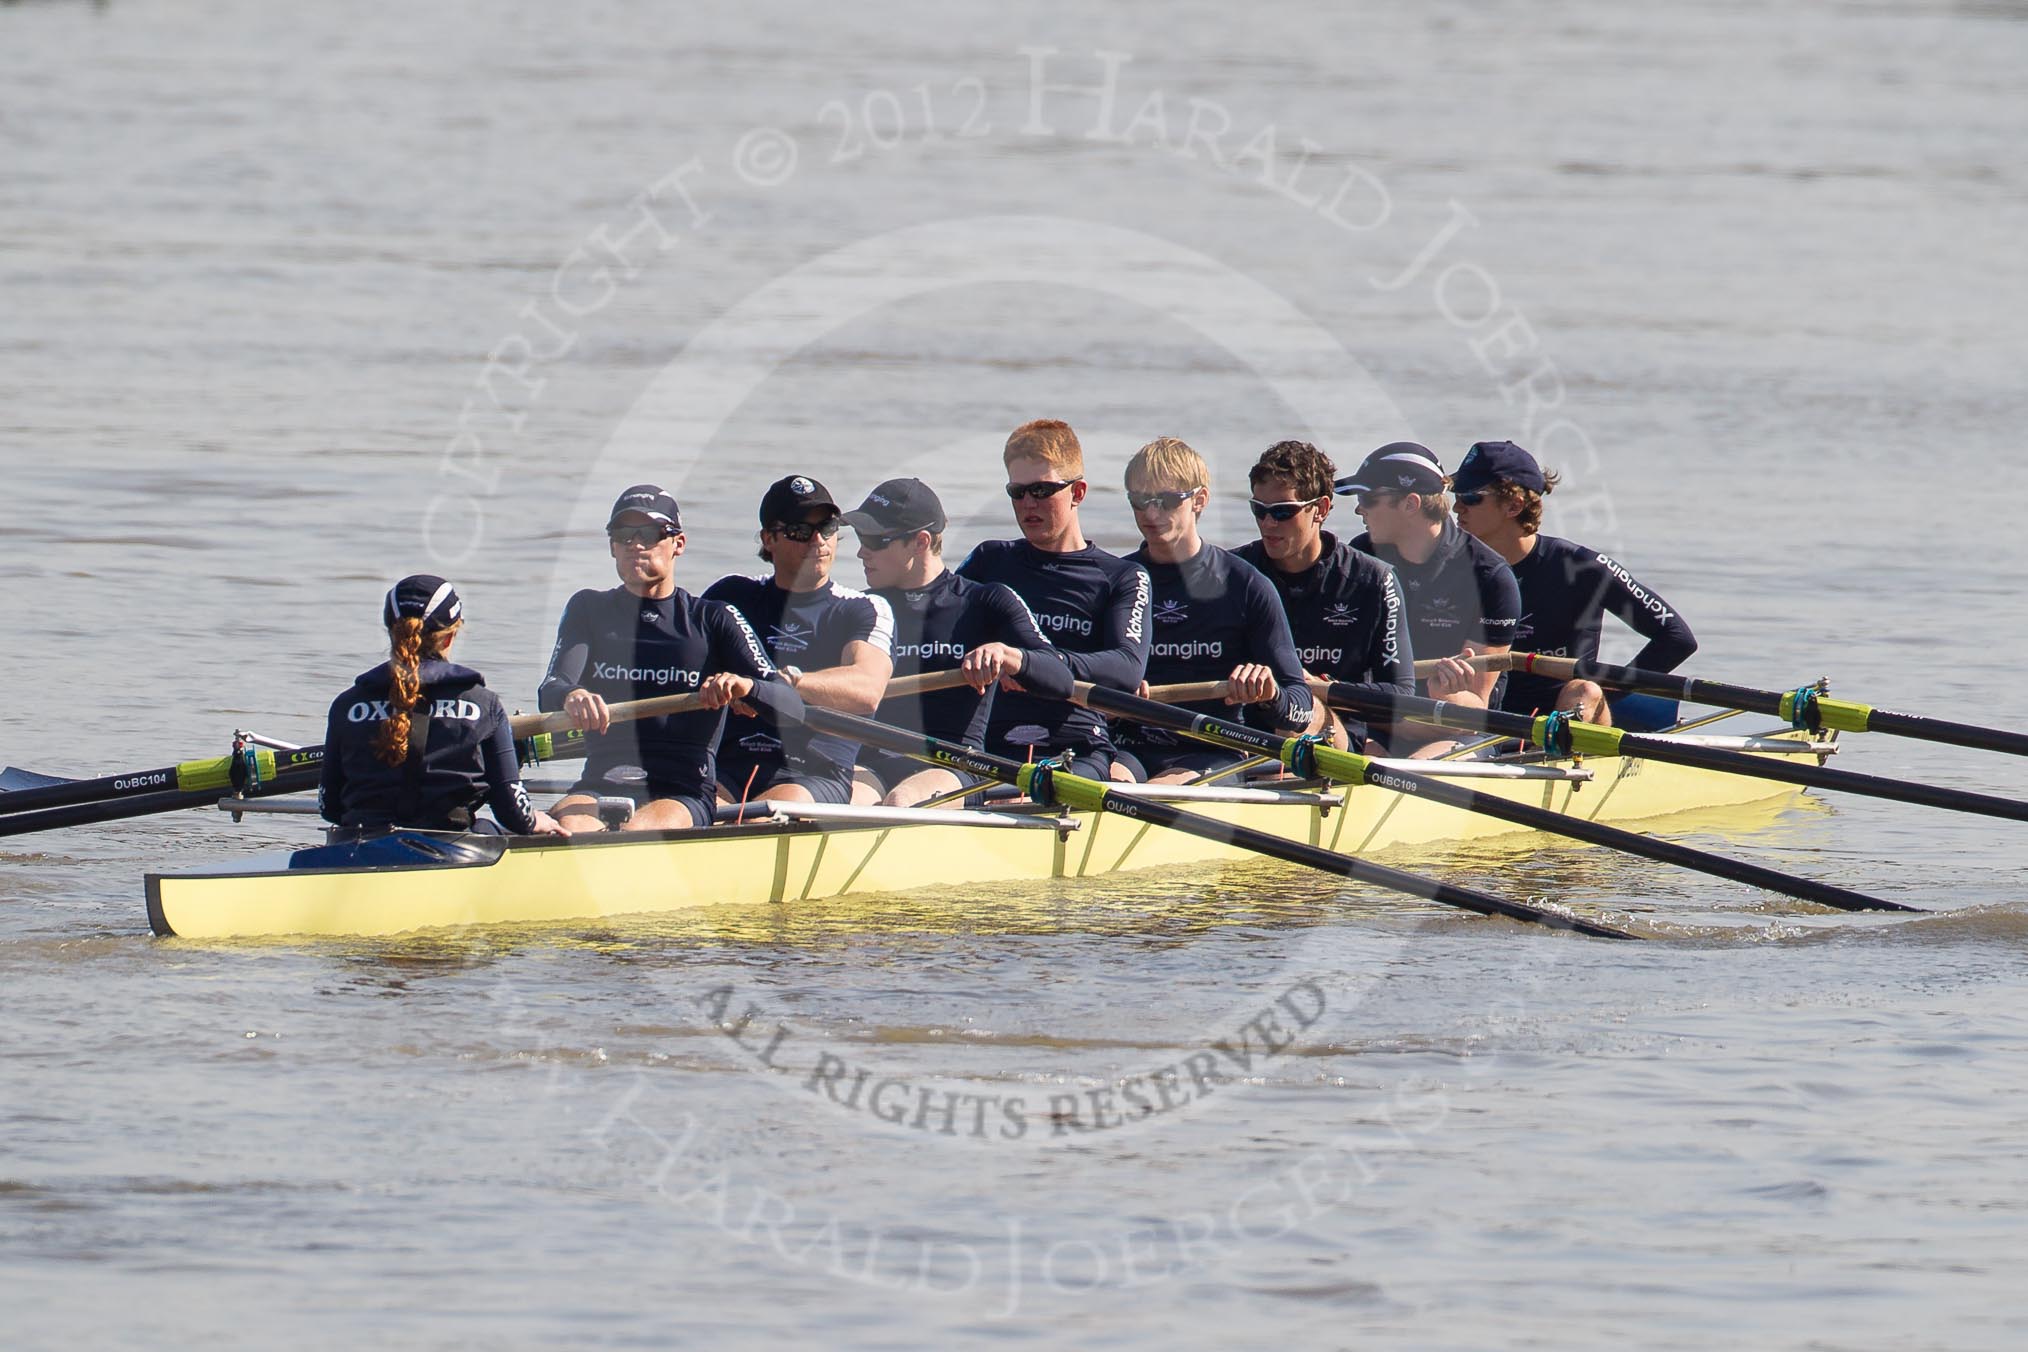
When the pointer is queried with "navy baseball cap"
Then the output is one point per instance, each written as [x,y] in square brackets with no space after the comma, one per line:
[1489,462]
[790,499]
[424,597]
[896,506]
[649,501]
[1397,467]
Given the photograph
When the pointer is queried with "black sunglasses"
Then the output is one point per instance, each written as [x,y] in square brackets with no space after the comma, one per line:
[1280,511]
[1169,499]
[1375,499]
[877,542]
[645,536]
[802,532]
[1040,489]
[1471,499]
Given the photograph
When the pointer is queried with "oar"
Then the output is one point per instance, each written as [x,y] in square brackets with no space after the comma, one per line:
[1044,782]
[199,777]
[1306,757]
[1806,706]
[1196,692]
[291,780]
[1561,736]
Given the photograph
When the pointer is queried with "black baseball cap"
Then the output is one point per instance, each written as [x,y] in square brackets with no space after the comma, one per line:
[1397,467]
[425,597]
[651,502]
[792,498]
[1489,462]
[896,506]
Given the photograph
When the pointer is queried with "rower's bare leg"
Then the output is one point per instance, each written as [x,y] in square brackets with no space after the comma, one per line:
[660,814]
[926,783]
[1442,742]
[865,787]
[1119,774]
[1181,775]
[1587,701]
[578,814]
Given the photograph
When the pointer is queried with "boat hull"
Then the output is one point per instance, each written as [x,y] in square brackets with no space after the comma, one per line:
[431,882]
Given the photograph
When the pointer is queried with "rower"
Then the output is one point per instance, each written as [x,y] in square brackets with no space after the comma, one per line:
[832,643]
[643,639]
[1344,606]
[1460,597]
[1566,590]
[1215,619]
[419,741]
[942,622]
[1092,605]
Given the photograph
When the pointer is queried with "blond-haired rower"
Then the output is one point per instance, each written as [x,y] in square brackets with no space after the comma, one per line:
[1215,619]
[1092,605]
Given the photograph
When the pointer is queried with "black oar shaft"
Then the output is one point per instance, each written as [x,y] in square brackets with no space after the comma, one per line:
[142,805]
[1222,732]
[1471,718]
[1209,828]
[1858,717]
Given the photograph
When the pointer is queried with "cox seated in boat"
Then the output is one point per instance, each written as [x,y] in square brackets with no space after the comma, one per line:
[644,639]
[1461,597]
[1344,607]
[420,742]
[831,643]
[1215,619]
[942,623]
[1566,591]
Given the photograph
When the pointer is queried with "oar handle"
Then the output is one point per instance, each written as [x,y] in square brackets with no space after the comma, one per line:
[530,725]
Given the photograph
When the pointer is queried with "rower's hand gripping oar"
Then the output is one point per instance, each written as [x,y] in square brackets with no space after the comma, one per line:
[1304,756]
[1045,782]
[1560,735]
[1804,707]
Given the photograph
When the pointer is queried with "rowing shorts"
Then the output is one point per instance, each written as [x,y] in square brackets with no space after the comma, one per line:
[647,790]
[836,788]
[1148,761]
[1636,712]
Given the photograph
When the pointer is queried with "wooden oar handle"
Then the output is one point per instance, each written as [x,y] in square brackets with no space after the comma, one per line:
[1535,664]
[530,725]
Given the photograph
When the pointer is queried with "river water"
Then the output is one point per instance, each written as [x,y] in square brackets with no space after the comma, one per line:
[299,299]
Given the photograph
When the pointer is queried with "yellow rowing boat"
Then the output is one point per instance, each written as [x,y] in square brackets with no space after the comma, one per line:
[422,880]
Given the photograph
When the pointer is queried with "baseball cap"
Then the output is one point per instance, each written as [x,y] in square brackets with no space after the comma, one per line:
[898,505]
[1491,461]
[1397,467]
[791,499]
[651,502]
[425,597]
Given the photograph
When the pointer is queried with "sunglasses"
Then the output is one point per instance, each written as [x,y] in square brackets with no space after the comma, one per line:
[1168,499]
[1040,489]
[1279,511]
[802,532]
[647,537]
[879,542]
[1372,500]
[1471,499]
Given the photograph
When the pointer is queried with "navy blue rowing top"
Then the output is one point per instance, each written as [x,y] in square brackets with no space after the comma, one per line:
[1348,619]
[623,647]
[468,756]
[1566,590]
[1462,593]
[801,629]
[1211,613]
[935,626]
[1094,607]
